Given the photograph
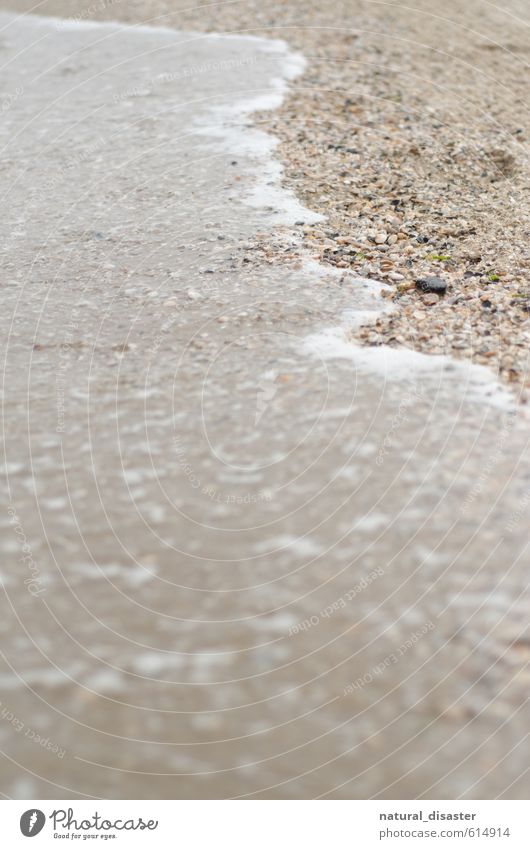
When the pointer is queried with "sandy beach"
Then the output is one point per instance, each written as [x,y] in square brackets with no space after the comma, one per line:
[261,539]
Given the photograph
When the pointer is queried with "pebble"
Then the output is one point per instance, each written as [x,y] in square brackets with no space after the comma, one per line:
[432,284]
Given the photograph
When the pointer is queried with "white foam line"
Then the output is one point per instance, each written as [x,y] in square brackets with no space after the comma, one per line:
[225,126]
[476,382]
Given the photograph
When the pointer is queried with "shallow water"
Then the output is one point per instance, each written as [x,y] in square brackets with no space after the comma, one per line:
[241,556]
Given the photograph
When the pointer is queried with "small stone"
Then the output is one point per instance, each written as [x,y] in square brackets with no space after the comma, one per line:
[380,238]
[395,275]
[432,284]
[430,300]
[193,295]
[392,239]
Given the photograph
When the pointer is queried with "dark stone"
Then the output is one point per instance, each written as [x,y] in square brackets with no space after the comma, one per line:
[432,284]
